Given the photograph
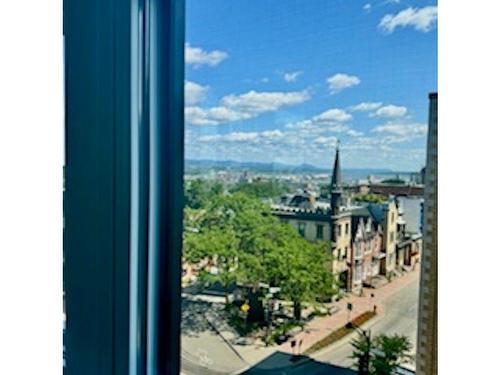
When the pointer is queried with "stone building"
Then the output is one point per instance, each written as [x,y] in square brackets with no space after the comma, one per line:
[363,237]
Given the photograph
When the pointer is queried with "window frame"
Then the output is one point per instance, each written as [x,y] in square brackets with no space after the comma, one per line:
[124,160]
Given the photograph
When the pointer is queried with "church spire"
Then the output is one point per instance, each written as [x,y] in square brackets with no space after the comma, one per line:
[336,179]
[336,186]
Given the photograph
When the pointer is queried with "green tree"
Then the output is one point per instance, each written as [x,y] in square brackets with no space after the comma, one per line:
[370,198]
[308,279]
[299,267]
[255,247]
[362,352]
[380,355]
[262,188]
[199,192]
[221,245]
[392,350]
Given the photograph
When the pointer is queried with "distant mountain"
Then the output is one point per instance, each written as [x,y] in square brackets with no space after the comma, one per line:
[204,165]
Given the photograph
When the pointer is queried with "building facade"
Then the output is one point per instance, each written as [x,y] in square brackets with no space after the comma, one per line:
[427,319]
[363,237]
[365,247]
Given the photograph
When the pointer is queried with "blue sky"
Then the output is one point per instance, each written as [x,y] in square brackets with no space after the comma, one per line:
[283,80]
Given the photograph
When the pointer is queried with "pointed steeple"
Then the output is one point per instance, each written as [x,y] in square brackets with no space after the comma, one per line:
[336,186]
[336,179]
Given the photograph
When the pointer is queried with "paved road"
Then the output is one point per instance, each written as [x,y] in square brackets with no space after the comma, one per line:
[205,352]
[401,313]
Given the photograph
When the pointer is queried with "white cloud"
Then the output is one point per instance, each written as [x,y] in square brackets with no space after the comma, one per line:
[390,111]
[244,106]
[272,134]
[326,141]
[243,137]
[421,19]
[197,56]
[402,130]
[259,102]
[292,76]
[366,106]
[335,115]
[231,137]
[330,121]
[214,115]
[308,128]
[354,133]
[223,114]
[367,7]
[385,147]
[341,81]
[197,116]
[194,92]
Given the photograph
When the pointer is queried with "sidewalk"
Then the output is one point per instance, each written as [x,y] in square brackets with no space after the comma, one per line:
[248,354]
[321,327]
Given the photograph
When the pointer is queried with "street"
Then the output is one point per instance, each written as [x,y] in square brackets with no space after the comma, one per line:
[401,314]
[206,347]
[204,351]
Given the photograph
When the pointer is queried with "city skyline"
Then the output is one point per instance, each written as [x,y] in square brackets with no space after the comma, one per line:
[258,88]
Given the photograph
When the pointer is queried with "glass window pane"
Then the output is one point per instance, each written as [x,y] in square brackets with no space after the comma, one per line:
[306,126]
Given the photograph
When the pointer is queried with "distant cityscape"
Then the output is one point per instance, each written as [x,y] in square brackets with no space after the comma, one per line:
[231,169]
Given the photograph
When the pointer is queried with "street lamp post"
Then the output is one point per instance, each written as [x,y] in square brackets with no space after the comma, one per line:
[349,309]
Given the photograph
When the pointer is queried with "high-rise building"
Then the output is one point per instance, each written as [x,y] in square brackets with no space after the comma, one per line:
[427,319]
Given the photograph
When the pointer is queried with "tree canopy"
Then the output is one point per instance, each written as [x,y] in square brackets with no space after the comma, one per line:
[251,246]
[262,188]
[199,191]
[370,198]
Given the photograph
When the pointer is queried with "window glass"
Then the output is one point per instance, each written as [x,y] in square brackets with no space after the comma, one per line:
[302,229]
[319,231]
[290,107]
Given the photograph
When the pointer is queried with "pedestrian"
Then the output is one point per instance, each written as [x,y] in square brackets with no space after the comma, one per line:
[293,343]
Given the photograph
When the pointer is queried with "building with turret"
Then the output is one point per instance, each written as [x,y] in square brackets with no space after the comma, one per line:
[363,236]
